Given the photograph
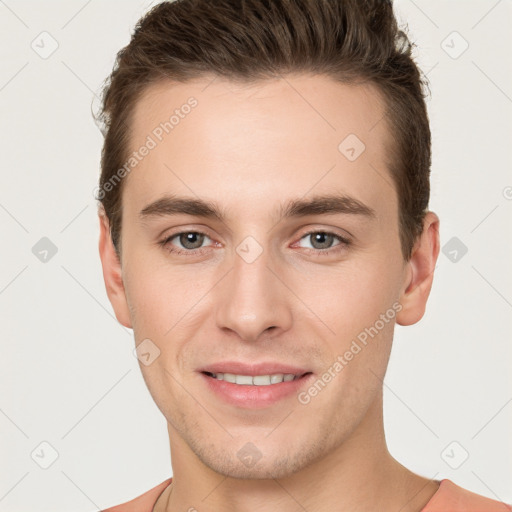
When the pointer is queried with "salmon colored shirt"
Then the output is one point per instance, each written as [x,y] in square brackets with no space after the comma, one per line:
[448,498]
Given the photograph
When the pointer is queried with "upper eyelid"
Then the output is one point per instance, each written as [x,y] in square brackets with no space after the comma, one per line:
[327,231]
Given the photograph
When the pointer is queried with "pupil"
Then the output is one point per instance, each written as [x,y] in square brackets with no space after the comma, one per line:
[318,238]
[188,241]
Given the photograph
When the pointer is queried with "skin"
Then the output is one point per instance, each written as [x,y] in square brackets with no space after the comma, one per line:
[250,148]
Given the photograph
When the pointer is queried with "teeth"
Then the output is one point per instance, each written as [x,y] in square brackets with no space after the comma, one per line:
[262,380]
[243,379]
[257,380]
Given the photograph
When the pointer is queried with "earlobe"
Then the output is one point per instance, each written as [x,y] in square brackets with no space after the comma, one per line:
[112,274]
[420,273]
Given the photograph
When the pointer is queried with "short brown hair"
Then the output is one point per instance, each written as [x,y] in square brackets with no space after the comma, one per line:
[350,41]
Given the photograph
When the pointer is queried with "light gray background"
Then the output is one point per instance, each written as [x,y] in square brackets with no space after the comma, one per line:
[68,374]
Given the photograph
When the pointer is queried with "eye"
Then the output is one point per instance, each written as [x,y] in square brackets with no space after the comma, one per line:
[191,242]
[321,241]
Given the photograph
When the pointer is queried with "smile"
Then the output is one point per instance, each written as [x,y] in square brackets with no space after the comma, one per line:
[254,380]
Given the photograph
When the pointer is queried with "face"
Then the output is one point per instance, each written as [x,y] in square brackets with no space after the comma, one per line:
[263,275]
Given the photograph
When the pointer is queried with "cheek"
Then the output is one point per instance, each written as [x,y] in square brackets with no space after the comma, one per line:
[159,297]
[366,315]
[150,305]
[349,299]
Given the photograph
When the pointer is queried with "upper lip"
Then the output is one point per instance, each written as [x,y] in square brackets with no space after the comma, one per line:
[264,368]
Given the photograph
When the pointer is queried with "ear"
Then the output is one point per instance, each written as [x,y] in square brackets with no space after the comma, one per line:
[112,274]
[420,273]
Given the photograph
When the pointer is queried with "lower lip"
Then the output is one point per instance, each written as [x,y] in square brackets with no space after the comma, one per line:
[254,397]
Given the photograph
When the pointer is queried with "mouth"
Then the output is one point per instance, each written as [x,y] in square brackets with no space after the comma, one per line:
[256,380]
[254,386]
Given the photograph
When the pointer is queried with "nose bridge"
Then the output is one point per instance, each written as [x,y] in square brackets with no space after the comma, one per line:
[252,299]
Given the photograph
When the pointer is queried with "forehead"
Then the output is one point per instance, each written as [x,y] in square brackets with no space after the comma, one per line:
[254,143]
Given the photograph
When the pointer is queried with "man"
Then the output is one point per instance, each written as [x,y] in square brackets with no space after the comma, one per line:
[264,224]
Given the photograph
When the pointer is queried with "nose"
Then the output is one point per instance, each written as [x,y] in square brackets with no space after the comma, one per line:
[253,301]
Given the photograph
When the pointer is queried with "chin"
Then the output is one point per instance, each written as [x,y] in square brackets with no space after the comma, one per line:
[250,462]
[275,468]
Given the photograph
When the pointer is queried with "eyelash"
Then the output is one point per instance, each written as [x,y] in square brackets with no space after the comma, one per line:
[344,243]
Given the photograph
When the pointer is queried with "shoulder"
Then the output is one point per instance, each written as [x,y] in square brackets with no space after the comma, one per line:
[144,502]
[452,498]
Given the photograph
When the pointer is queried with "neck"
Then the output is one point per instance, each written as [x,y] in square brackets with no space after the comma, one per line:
[360,474]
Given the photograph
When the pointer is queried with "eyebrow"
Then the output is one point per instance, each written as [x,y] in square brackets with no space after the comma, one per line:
[317,205]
